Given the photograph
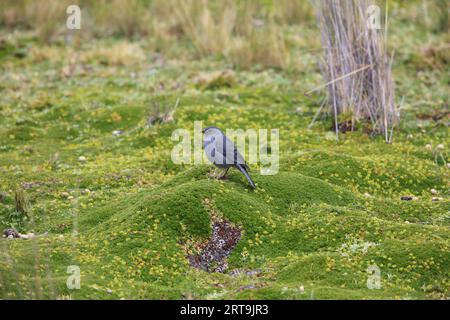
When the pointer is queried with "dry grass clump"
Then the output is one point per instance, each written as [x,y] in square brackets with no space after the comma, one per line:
[45,53]
[293,11]
[265,47]
[47,17]
[432,56]
[210,33]
[99,18]
[129,18]
[243,32]
[357,67]
[121,53]
[12,13]
[216,80]
[160,113]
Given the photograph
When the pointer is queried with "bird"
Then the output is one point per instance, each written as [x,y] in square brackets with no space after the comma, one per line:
[223,153]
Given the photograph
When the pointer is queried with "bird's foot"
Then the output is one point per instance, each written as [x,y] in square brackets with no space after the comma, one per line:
[223,176]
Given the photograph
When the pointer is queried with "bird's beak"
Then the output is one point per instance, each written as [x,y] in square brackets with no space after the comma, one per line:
[203,131]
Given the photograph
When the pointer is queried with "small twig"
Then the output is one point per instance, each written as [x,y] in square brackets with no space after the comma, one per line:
[317,113]
[337,79]
[176,104]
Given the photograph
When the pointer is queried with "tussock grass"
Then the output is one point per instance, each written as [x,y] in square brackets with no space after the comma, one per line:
[357,67]
[242,32]
[121,53]
[131,18]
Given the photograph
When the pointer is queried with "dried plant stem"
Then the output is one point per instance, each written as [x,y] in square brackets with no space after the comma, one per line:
[337,79]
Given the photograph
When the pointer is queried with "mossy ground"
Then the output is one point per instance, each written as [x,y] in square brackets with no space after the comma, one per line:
[313,229]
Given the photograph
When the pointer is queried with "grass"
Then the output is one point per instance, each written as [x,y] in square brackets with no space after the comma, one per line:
[126,215]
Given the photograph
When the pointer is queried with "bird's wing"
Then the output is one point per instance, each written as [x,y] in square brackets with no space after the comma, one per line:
[226,148]
[212,151]
[219,150]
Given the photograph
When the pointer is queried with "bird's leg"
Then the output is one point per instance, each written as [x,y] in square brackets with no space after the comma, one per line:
[224,174]
[212,173]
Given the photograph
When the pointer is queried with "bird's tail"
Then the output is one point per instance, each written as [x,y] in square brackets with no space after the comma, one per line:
[244,171]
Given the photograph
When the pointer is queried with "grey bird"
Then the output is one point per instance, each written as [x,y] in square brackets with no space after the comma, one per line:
[223,154]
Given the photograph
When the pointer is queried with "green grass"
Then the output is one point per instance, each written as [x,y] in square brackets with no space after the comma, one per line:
[137,214]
